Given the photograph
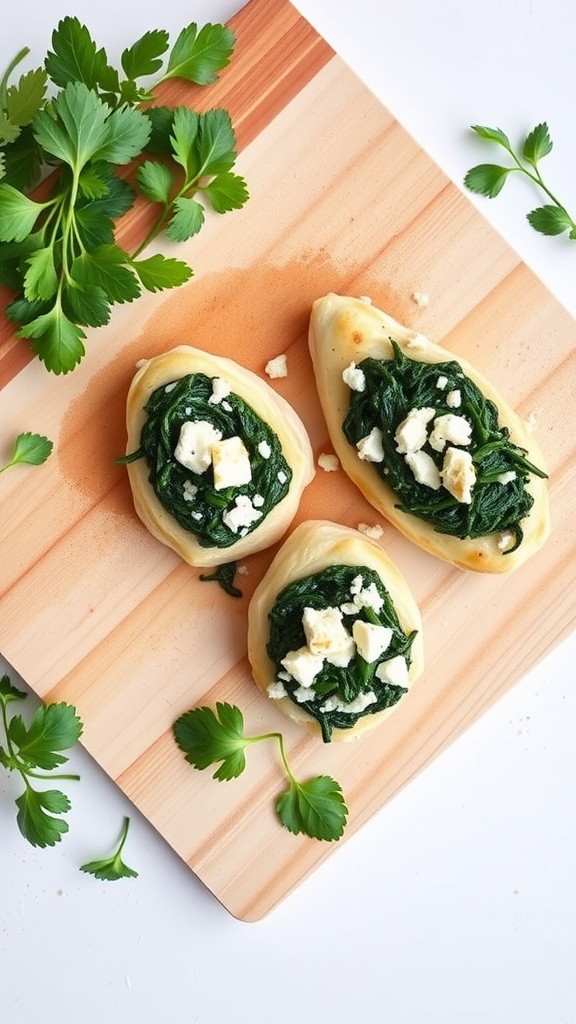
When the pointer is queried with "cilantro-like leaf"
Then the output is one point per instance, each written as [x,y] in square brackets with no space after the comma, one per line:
[9,131]
[8,692]
[25,99]
[187,219]
[35,818]
[224,576]
[75,56]
[227,191]
[207,738]
[128,131]
[106,267]
[111,869]
[54,728]
[155,181]
[315,807]
[85,304]
[158,272]
[41,280]
[18,214]
[55,339]
[75,127]
[144,57]
[32,450]
[197,56]
[488,179]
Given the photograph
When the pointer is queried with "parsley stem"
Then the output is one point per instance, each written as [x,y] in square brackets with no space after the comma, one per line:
[14,63]
[53,775]
[275,736]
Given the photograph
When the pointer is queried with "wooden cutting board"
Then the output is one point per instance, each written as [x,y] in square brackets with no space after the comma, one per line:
[95,612]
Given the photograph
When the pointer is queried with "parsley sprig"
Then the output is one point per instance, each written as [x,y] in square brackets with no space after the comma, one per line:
[29,449]
[315,808]
[34,751]
[489,179]
[59,253]
[111,869]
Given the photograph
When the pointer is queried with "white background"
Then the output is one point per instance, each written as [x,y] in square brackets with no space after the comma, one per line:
[455,904]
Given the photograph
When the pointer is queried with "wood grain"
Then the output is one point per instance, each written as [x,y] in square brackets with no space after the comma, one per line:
[95,612]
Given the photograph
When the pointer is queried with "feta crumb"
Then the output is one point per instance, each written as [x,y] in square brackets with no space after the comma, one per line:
[454,399]
[302,665]
[226,406]
[194,447]
[354,378]
[450,428]
[189,490]
[231,463]
[264,449]
[331,704]
[304,693]
[371,640]
[506,540]
[370,448]
[277,367]
[530,421]
[359,704]
[441,382]
[424,469]
[140,363]
[417,341]
[242,570]
[220,389]
[258,500]
[170,387]
[366,299]
[458,474]
[506,478]
[277,690]
[356,585]
[369,597]
[411,434]
[282,478]
[329,463]
[374,532]
[241,514]
[394,671]
[420,298]
[326,634]
[188,410]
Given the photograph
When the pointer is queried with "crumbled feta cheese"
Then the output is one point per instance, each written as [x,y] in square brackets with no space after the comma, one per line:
[366,299]
[531,420]
[506,478]
[368,597]
[170,387]
[458,474]
[264,449]
[370,447]
[194,447]
[302,665]
[242,570]
[420,298]
[188,410]
[282,478]
[454,399]
[231,463]
[196,515]
[330,704]
[277,367]
[441,382]
[241,514]
[424,469]
[506,540]
[140,363]
[304,693]
[354,378]
[417,341]
[326,635]
[393,670]
[258,500]
[329,463]
[411,434]
[451,429]
[189,490]
[356,585]
[373,532]
[371,640]
[277,690]
[359,704]
[220,389]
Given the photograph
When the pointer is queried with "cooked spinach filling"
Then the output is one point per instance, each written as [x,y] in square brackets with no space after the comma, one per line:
[336,687]
[499,498]
[191,497]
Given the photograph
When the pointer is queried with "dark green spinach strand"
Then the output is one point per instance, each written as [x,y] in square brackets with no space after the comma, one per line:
[330,589]
[393,388]
[188,398]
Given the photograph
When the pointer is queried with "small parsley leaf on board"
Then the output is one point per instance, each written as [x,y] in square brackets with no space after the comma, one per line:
[111,869]
[88,119]
[34,751]
[489,179]
[29,449]
[315,808]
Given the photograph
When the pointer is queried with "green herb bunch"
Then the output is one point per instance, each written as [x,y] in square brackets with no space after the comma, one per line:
[85,121]
[489,179]
[315,808]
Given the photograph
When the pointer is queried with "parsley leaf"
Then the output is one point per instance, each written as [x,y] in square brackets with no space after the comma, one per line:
[111,869]
[315,808]
[489,179]
[40,745]
[144,57]
[32,450]
[198,55]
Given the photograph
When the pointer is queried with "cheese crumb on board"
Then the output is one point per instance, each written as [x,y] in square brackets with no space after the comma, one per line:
[277,367]
[420,298]
[329,463]
[374,532]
